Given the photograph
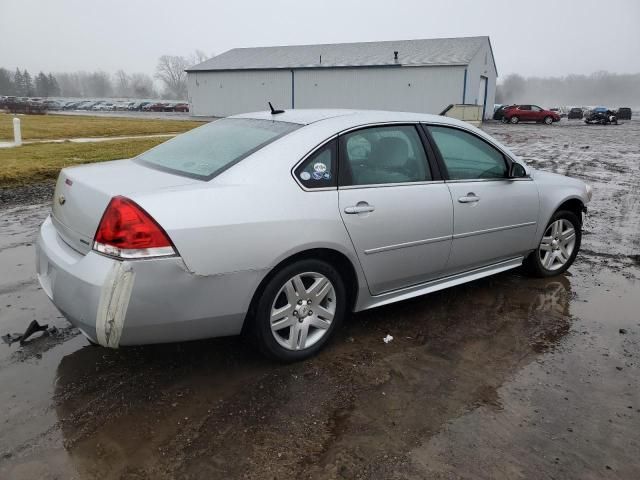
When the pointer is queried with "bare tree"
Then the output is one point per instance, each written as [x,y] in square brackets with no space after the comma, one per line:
[171,72]
[198,57]
[142,86]
[122,87]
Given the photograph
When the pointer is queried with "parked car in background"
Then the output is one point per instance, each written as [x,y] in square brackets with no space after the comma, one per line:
[155,107]
[53,105]
[103,107]
[530,113]
[71,105]
[559,111]
[624,113]
[498,112]
[88,105]
[166,260]
[181,107]
[122,106]
[575,114]
[601,116]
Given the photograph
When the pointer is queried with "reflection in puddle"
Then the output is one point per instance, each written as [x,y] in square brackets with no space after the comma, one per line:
[211,408]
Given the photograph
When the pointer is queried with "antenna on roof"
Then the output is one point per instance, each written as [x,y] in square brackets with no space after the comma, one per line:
[274,111]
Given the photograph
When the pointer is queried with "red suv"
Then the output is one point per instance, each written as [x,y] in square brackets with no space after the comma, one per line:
[529,113]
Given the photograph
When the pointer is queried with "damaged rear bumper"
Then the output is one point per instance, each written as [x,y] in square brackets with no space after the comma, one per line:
[139,302]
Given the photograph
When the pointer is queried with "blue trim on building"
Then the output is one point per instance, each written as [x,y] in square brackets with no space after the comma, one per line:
[484,105]
[464,87]
[293,89]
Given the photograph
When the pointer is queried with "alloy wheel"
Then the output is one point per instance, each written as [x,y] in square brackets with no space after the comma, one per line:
[557,245]
[303,311]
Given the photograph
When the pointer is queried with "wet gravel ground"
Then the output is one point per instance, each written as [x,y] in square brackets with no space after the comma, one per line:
[506,377]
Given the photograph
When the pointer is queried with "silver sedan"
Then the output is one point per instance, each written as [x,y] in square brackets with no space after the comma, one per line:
[278,225]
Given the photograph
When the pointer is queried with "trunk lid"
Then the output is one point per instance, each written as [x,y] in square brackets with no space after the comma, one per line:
[82,193]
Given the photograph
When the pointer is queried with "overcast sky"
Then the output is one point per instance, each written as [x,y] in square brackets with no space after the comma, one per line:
[534,37]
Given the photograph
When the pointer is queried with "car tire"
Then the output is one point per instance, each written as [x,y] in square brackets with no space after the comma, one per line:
[558,248]
[285,325]
[514,119]
[548,120]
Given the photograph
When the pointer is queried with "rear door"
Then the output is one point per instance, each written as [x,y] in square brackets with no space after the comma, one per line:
[524,112]
[396,208]
[495,218]
[537,113]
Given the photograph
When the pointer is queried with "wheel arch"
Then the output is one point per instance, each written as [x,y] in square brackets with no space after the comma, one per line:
[337,259]
[574,205]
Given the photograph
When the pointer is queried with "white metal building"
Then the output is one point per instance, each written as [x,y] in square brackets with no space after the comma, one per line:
[406,75]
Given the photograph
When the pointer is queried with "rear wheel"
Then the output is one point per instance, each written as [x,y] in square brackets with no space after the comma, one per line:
[299,310]
[559,246]
[514,120]
[548,120]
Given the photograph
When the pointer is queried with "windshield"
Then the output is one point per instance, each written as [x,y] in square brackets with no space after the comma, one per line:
[209,150]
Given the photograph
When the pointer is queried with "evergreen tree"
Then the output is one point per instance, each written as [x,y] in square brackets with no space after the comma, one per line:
[28,84]
[18,83]
[54,88]
[42,85]
[6,83]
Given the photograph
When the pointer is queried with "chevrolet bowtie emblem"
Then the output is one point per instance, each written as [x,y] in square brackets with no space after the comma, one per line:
[61,200]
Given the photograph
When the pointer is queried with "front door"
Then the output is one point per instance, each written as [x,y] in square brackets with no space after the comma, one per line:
[399,217]
[495,218]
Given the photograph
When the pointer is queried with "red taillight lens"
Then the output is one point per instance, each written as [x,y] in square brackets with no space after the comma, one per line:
[127,231]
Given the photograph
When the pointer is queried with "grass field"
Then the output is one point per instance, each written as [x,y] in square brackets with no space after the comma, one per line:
[48,127]
[43,161]
[37,162]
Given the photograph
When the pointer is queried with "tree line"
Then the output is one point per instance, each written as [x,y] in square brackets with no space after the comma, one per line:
[600,88]
[170,74]
[20,83]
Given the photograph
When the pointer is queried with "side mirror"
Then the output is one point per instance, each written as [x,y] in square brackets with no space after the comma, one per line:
[517,171]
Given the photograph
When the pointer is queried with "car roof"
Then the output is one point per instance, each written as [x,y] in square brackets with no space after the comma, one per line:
[354,117]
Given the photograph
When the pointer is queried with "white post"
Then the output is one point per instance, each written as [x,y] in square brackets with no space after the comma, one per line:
[17,134]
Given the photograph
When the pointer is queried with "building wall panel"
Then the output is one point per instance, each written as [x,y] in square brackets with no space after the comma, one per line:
[411,89]
[222,94]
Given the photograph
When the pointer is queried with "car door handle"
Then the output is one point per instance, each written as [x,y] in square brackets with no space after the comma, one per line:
[361,207]
[469,198]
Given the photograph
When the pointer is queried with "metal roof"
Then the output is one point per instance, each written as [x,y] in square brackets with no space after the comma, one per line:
[435,51]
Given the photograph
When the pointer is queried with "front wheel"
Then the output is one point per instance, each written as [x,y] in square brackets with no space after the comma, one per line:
[299,310]
[514,120]
[548,120]
[559,246]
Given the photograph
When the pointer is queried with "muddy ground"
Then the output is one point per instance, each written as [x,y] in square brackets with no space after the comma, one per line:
[506,377]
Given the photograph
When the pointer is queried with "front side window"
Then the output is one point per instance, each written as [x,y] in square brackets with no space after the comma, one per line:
[525,107]
[382,155]
[319,170]
[466,156]
[535,108]
[206,151]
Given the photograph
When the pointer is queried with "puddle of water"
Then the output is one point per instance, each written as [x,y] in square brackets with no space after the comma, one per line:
[482,380]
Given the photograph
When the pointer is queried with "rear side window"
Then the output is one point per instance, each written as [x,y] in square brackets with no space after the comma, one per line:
[209,150]
[319,170]
[466,156]
[383,155]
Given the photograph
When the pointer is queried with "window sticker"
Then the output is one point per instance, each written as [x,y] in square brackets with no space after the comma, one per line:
[317,175]
[320,167]
[305,175]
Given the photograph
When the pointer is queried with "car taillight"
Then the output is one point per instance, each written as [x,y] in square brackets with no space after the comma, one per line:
[127,231]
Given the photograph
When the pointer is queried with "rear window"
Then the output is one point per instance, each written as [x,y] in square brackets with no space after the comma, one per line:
[209,150]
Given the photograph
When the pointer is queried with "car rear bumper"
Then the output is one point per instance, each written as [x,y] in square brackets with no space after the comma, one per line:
[142,301]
